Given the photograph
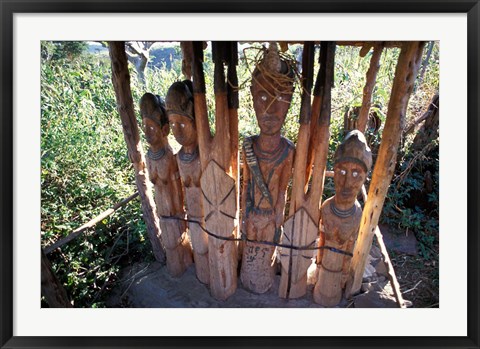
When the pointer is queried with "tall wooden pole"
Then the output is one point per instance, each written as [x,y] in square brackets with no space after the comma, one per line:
[301,228]
[321,113]
[218,186]
[405,74]
[52,289]
[369,85]
[300,162]
[233,104]
[123,93]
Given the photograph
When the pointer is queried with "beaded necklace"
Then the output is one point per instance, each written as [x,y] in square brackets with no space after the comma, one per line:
[188,157]
[156,155]
[343,213]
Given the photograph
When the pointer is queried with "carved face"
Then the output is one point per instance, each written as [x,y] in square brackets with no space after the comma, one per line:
[154,133]
[183,129]
[270,106]
[349,178]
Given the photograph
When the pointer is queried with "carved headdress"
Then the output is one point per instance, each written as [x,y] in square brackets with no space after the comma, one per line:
[276,68]
[179,99]
[152,107]
[354,148]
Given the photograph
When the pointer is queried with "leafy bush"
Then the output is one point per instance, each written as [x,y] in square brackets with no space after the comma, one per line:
[62,49]
[85,170]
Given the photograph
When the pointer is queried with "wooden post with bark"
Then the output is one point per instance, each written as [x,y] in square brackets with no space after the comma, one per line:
[405,74]
[123,93]
[233,104]
[369,85]
[218,184]
[52,289]
[301,227]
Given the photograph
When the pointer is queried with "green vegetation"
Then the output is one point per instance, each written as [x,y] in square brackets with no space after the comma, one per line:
[85,168]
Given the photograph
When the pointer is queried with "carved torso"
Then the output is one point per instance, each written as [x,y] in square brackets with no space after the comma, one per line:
[340,233]
[166,180]
[263,214]
[272,166]
[190,172]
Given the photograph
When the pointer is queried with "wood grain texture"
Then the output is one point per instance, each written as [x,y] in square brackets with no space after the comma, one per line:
[261,220]
[405,74]
[341,234]
[310,162]
[190,172]
[219,204]
[165,177]
[216,155]
[369,86]
[297,261]
[123,93]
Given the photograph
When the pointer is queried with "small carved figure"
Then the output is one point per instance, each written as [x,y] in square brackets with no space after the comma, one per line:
[164,175]
[180,111]
[340,218]
[268,159]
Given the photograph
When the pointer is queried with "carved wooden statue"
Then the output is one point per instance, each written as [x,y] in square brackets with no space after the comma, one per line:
[340,218]
[180,111]
[268,159]
[164,175]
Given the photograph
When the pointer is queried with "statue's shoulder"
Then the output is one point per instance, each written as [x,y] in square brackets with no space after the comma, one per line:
[327,203]
[289,144]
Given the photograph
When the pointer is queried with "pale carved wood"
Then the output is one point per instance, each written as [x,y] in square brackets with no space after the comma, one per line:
[123,93]
[310,161]
[300,230]
[405,74]
[180,110]
[190,172]
[263,216]
[169,200]
[385,256]
[219,205]
[258,269]
[340,218]
[216,155]
[164,175]
[341,234]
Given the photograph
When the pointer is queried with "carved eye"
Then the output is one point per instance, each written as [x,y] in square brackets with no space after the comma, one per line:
[354,173]
[263,98]
[182,125]
[343,172]
[279,98]
[151,128]
[173,124]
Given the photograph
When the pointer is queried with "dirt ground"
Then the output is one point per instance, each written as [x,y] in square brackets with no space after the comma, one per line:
[148,285]
[417,274]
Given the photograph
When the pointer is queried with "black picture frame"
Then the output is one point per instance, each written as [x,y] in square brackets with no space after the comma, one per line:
[10,7]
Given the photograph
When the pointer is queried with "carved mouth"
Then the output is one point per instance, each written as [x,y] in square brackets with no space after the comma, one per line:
[269,119]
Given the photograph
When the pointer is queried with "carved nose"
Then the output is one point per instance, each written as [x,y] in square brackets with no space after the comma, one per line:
[271,106]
